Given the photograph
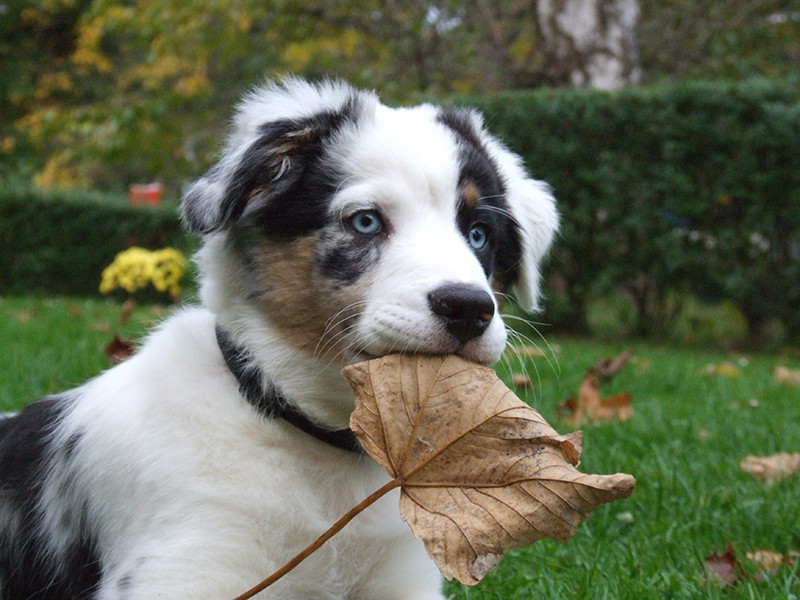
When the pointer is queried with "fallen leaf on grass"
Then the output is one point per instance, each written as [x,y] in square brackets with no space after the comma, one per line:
[725,568]
[25,316]
[480,471]
[119,349]
[772,468]
[771,562]
[127,310]
[786,375]
[527,351]
[724,369]
[591,406]
[521,380]
[607,368]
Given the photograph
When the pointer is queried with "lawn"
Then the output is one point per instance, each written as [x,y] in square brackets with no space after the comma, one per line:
[684,444]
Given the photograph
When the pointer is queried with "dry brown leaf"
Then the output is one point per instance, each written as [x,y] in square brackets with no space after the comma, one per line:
[591,406]
[127,310]
[527,351]
[725,568]
[787,375]
[607,368]
[119,350]
[770,561]
[480,471]
[521,380]
[772,468]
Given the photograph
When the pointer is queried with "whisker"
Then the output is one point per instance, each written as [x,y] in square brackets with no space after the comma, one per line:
[526,340]
[331,344]
[332,323]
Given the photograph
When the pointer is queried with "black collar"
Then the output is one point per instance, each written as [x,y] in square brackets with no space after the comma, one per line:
[269,399]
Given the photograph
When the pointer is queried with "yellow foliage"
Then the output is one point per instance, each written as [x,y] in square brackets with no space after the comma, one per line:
[153,75]
[136,268]
[8,144]
[522,50]
[192,85]
[59,172]
[41,14]
[49,83]
[87,49]
[244,22]
[34,16]
[300,55]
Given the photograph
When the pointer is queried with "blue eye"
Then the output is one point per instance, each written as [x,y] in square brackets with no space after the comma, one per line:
[477,237]
[366,222]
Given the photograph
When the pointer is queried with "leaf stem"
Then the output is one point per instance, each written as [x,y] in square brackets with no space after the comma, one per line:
[314,546]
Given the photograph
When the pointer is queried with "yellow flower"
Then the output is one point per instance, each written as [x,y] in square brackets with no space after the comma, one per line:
[136,268]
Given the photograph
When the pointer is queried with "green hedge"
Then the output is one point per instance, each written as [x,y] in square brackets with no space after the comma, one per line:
[60,244]
[663,191]
[692,188]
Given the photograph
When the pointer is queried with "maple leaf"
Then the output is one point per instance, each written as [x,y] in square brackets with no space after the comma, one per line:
[771,562]
[607,368]
[771,468]
[521,380]
[787,375]
[725,568]
[480,471]
[591,406]
[118,350]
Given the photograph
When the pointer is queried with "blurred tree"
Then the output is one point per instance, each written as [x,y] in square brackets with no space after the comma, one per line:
[36,41]
[719,39]
[102,93]
[591,43]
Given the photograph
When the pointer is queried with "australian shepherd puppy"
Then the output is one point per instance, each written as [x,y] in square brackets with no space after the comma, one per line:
[335,229]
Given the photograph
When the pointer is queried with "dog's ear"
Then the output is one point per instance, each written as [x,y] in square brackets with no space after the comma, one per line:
[533,207]
[534,213]
[279,130]
[530,206]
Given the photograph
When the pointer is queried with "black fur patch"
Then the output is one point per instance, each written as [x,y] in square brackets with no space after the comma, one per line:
[342,260]
[502,255]
[26,456]
[283,177]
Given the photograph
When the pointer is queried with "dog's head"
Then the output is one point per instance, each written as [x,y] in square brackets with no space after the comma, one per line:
[353,229]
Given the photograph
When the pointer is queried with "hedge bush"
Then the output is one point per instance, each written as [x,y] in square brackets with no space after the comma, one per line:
[692,188]
[60,244]
[663,191]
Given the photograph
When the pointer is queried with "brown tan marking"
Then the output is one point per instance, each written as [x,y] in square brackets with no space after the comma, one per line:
[470,193]
[298,302]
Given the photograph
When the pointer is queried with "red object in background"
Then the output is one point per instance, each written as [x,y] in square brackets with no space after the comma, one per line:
[145,194]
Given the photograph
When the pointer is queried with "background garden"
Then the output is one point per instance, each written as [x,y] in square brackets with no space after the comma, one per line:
[680,240]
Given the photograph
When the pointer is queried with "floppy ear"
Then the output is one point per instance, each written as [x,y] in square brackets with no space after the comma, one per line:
[278,130]
[533,207]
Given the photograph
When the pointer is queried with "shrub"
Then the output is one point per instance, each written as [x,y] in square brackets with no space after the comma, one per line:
[60,244]
[692,188]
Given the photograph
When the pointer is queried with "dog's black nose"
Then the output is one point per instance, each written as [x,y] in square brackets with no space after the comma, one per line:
[465,310]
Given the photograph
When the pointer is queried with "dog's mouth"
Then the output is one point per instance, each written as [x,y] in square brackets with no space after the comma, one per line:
[363,355]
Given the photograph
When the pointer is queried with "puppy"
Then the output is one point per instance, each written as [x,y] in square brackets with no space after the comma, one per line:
[335,229]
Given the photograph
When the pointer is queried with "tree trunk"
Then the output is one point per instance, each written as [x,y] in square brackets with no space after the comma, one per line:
[589,43]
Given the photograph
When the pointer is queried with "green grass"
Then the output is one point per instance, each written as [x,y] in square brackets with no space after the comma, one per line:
[50,345]
[684,444]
